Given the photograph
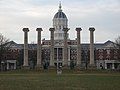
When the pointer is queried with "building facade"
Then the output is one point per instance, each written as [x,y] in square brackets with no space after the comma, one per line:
[61,50]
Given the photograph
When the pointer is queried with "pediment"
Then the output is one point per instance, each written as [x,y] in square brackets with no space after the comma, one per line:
[109,44]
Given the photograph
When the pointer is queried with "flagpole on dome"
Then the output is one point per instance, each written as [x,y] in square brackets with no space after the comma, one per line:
[60,6]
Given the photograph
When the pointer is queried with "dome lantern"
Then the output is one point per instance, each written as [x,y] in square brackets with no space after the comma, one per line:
[60,7]
[60,14]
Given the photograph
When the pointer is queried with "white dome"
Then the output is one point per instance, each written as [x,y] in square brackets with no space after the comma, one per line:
[59,22]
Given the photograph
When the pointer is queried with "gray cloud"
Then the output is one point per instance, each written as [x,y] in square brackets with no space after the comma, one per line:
[103,14]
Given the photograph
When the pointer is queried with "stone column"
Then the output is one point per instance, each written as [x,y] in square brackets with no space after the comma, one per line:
[26,30]
[92,29]
[68,56]
[105,65]
[7,65]
[52,47]
[39,47]
[65,48]
[113,66]
[15,65]
[78,47]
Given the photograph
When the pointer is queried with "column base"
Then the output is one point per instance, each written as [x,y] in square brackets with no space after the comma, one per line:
[52,67]
[65,67]
[80,67]
[92,67]
[38,67]
[25,67]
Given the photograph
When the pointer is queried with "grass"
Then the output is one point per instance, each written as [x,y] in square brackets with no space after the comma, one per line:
[69,80]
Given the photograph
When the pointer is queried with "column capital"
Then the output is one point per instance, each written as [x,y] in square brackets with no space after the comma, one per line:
[52,29]
[39,29]
[26,29]
[92,29]
[78,29]
[66,29]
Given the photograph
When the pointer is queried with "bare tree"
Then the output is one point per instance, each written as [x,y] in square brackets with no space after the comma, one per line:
[117,46]
[3,46]
[117,42]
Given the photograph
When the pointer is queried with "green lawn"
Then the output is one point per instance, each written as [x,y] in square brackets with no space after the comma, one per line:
[39,80]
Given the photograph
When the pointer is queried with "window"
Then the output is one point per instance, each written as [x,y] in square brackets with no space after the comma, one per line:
[59,27]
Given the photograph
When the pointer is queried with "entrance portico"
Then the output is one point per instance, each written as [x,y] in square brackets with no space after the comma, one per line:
[107,64]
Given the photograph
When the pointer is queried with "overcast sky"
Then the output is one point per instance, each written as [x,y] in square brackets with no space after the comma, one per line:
[104,15]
